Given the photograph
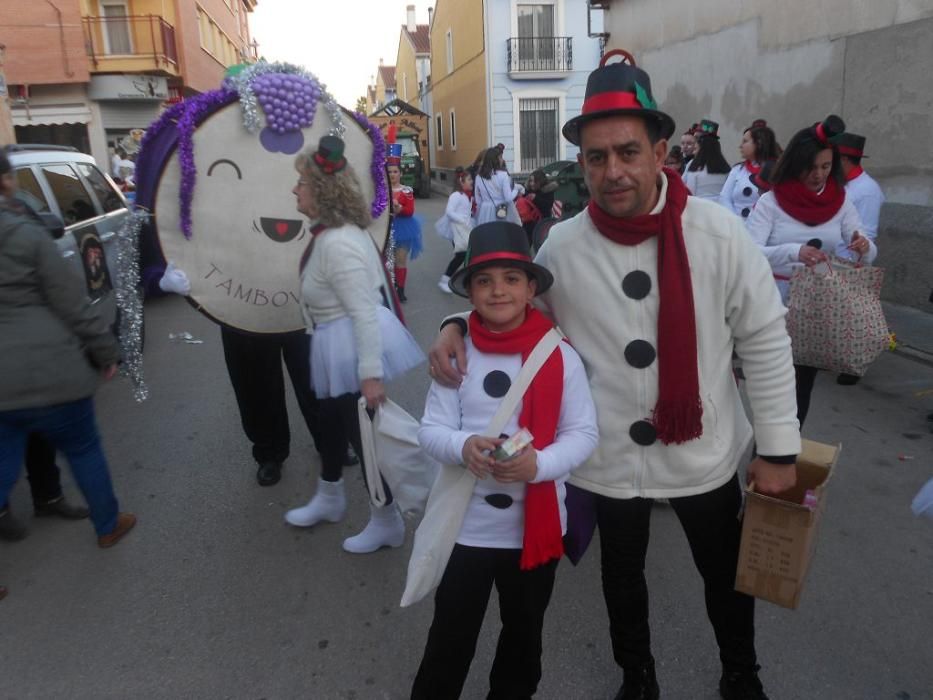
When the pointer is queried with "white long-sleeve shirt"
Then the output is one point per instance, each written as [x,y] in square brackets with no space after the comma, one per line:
[497,189]
[344,277]
[704,184]
[739,194]
[780,236]
[459,213]
[867,197]
[451,416]
[605,297]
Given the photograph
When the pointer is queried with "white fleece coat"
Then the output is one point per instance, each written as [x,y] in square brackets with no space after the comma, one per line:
[736,305]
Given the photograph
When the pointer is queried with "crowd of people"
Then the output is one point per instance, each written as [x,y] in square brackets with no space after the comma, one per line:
[619,418]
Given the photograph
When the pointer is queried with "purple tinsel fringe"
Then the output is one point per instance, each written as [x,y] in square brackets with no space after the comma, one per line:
[377,168]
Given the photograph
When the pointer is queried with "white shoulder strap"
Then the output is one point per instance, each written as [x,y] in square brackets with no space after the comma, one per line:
[536,359]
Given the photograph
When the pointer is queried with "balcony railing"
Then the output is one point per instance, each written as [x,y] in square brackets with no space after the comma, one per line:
[131,36]
[540,54]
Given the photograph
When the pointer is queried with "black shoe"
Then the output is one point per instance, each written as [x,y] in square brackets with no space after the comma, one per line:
[401,294]
[11,529]
[269,473]
[350,459]
[61,508]
[741,685]
[847,379]
[639,684]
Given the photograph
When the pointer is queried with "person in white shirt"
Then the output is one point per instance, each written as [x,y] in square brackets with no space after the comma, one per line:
[494,192]
[456,223]
[806,214]
[708,170]
[511,534]
[759,145]
[357,343]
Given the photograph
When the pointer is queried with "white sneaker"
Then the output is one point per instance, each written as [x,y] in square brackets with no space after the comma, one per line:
[444,284]
[384,529]
[328,505]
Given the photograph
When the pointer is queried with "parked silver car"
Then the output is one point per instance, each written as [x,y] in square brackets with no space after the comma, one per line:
[81,206]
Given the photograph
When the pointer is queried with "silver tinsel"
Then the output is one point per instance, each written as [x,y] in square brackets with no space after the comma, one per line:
[130,302]
[390,254]
[251,119]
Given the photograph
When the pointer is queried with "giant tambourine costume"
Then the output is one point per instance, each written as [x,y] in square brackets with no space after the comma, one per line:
[217,171]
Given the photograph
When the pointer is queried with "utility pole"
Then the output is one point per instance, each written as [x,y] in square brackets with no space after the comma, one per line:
[7,133]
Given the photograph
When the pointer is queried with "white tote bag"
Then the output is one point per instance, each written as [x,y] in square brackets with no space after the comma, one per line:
[391,448]
[450,497]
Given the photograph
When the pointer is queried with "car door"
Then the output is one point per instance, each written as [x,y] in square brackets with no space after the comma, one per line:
[83,243]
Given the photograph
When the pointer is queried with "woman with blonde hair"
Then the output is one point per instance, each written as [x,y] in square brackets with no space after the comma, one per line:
[357,342]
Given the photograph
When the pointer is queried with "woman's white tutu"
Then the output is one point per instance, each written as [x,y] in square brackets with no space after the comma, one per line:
[334,360]
[486,212]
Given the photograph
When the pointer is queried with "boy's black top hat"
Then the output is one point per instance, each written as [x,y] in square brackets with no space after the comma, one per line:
[329,156]
[851,145]
[499,243]
[615,89]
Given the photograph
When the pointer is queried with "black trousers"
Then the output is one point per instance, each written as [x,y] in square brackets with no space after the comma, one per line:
[254,363]
[459,607]
[805,378]
[45,478]
[455,262]
[711,523]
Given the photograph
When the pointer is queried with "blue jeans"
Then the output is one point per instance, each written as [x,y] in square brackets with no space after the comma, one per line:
[71,429]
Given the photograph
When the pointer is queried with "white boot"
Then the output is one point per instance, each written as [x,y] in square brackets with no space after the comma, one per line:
[444,284]
[384,529]
[329,504]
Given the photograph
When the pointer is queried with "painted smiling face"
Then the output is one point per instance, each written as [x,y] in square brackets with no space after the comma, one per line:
[246,237]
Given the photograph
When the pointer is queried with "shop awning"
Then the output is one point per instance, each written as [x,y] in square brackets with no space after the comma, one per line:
[41,115]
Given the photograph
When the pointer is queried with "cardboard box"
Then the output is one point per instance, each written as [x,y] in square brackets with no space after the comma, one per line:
[779,533]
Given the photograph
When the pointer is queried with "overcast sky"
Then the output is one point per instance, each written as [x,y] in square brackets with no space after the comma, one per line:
[339,41]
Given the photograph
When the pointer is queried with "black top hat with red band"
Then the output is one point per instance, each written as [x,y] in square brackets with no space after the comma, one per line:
[499,243]
[851,145]
[617,89]
[828,130]
[329,156]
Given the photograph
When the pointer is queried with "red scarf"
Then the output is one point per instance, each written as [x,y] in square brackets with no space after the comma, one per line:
[854,172]
[805,205]
[540,412]
[752,168]
[677,416]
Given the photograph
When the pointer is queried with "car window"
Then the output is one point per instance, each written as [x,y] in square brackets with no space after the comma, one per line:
[108,197]
[30,192]
[74,201]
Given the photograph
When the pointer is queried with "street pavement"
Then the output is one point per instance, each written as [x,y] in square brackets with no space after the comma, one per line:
[214,596]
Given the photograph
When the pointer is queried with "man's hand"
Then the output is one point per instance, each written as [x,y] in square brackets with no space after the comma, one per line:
[449,343]
[373,391]
[771,479]
[108,372]
[476,451]
[522,467]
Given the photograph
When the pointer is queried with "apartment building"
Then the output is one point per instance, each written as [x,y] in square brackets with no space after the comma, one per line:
[94,74]
[509,72]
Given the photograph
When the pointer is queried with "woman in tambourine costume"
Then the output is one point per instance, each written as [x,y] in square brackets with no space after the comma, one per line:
[759,145]
[806,213]
[357,342]
[406,228]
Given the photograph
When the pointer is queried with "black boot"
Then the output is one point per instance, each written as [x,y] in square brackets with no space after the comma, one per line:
[401,294]
[269,473]
[741,685]
[61,508]
[639,683]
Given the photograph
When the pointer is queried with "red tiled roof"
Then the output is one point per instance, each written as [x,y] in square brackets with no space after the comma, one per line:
[421,37]
[388,76]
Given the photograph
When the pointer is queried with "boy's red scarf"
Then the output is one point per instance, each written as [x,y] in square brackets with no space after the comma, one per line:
[678,415]
[805,205]
[543,539]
